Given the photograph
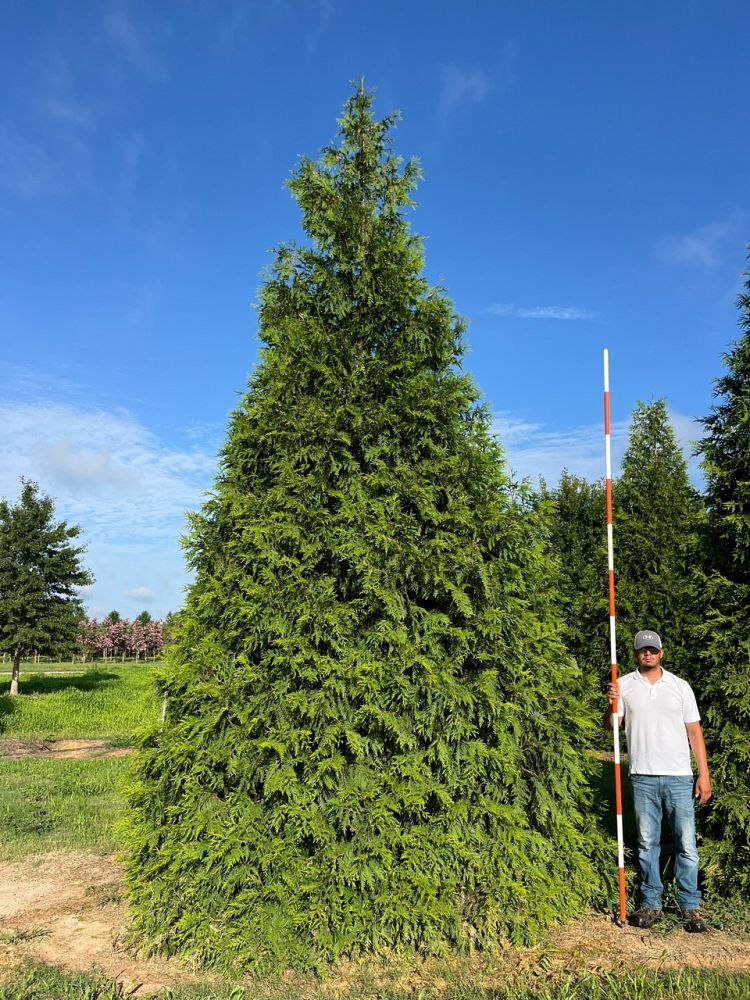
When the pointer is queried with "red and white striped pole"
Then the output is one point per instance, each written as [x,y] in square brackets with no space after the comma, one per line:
[612,641]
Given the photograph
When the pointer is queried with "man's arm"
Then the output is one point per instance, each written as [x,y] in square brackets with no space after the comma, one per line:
[698,746]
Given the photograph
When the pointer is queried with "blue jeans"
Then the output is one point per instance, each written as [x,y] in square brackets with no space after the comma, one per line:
[672,795]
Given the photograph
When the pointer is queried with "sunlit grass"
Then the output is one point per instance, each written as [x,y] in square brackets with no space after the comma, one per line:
[51,805]
[109,702]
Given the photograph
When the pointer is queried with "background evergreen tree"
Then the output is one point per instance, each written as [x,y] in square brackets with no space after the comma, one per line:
[579,539]
[40,571]
[723,634]
[657,522]
[372,737]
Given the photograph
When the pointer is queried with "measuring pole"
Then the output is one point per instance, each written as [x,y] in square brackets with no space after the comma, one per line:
[612,641]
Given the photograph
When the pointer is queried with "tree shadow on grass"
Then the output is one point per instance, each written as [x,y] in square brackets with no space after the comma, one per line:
[46,684]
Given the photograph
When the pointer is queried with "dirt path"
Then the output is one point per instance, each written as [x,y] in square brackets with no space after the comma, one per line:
[67,909]
[61,749]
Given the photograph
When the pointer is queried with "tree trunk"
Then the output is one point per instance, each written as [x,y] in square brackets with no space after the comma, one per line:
[16,673]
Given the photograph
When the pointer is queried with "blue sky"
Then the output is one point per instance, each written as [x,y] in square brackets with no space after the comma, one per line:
[585,186]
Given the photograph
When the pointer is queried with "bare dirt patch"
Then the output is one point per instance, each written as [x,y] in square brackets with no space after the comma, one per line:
[67,909]
[61,749]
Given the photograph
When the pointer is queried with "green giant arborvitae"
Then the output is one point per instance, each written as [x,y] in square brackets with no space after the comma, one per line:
[657,519]
[657,523]
[579,524]
[371,738]
[723,637]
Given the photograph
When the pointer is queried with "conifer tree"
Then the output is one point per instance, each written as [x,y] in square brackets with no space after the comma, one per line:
[723,635]
[40,573]
[657,523]
[372,738]
[579,539]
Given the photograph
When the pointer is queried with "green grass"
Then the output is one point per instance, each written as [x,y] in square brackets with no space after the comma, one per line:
[48,804]
[104,703]
[41,982]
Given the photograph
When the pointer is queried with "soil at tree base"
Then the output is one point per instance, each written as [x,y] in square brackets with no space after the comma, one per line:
[67,909]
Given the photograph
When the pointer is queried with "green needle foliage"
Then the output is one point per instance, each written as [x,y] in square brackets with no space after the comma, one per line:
[657,523]
[723,635]
[372,738]
[578,536]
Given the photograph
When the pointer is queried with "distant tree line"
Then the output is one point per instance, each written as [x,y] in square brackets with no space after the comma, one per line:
[119,637]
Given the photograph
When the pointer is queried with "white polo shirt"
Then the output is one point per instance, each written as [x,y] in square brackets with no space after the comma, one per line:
[655,718]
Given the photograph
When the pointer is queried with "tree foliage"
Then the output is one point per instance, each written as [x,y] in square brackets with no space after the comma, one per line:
[723,635]
[657,523]
[372,738]
[579,539]
[40,571]
[657,517]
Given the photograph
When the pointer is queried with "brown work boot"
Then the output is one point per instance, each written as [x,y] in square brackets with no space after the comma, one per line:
[694,922]
[645,917]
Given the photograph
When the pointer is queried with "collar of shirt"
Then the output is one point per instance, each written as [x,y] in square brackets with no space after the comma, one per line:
[666,678]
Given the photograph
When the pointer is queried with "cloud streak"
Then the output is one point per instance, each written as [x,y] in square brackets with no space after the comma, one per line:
[133,43]
[535,452]
[508,309]
[704,247]
[462,86]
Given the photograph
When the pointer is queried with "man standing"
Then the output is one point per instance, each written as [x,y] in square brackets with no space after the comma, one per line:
[662,726]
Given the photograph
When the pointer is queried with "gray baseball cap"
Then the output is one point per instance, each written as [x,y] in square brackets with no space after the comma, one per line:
[646,638]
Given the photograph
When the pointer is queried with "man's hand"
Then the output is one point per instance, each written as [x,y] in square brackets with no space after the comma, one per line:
[698,746]
[702,789]
[613,691]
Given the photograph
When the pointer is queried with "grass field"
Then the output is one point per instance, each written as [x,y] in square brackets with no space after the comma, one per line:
[105,703]
[51,805]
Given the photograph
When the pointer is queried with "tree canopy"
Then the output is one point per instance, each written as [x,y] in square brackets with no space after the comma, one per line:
[373,738]
[40,573]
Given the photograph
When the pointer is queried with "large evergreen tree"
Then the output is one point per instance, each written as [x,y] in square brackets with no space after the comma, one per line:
[723,635]
[40,573]
[657,522]
[372,737]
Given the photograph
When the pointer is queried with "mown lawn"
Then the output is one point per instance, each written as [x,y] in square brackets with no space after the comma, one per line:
[108,703]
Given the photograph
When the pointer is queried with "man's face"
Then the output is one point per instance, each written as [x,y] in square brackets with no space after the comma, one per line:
[649,657]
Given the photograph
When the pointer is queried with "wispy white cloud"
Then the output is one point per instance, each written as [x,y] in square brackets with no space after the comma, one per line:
[324,10]
[540,312]
[126,488]
[536,452]
[462,86]
[704,247]
[26,168]
[133,42]
[144,594]
[57,100]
